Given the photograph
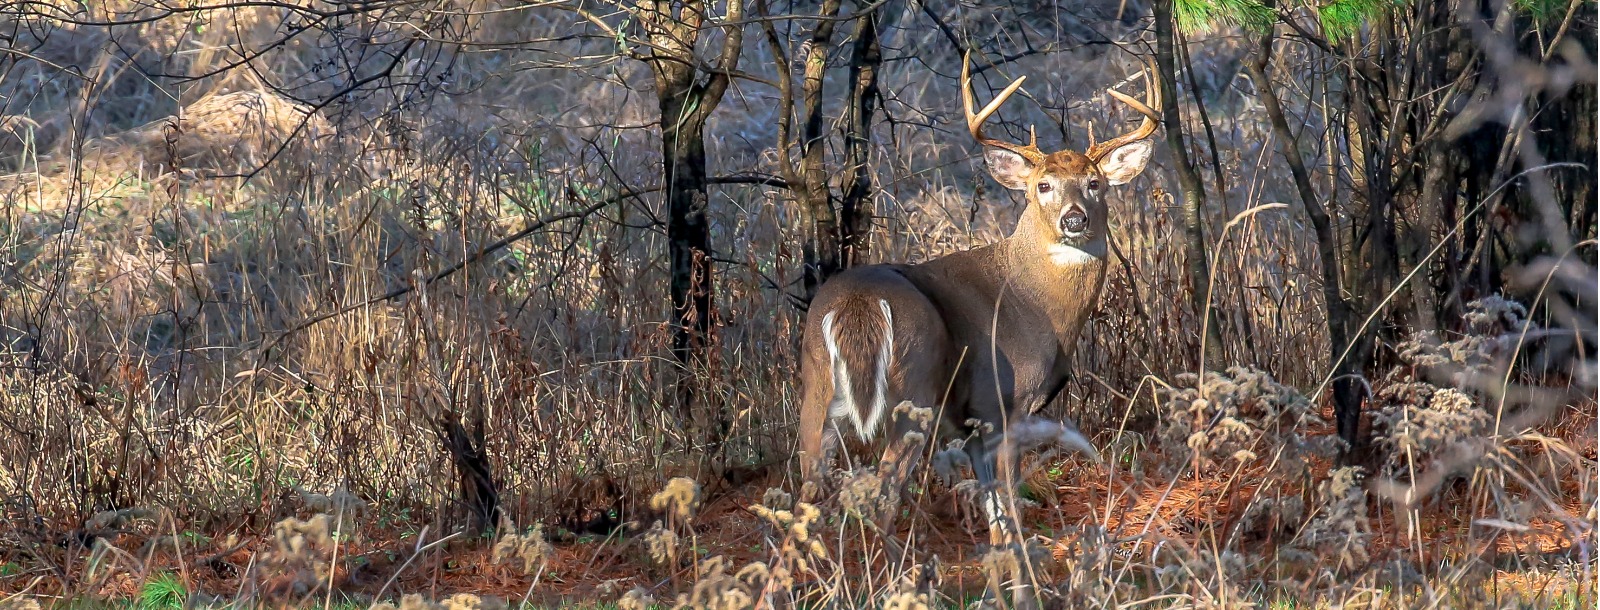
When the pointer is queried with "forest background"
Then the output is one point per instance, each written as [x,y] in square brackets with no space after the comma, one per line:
[424,301]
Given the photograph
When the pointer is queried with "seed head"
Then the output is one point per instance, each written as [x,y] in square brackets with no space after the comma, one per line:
[530,548]
[865,497]
[777,499]
[20,602]
[753,575]
[922,416]
[468,601]
[907,600]
[662,544]
[636,599]
[415,601]
[679,498]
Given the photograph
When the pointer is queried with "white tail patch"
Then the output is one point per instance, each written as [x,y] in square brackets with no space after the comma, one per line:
[844,403]
[880,402]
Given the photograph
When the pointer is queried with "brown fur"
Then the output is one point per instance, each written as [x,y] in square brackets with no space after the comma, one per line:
[1009,313]
[852,298]
[984,336]
[1068,163]
[858,329]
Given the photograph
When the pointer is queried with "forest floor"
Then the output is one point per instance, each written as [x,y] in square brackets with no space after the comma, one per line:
[1534,565]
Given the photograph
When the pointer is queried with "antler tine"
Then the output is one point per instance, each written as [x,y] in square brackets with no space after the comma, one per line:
[975,120]
[1152,117]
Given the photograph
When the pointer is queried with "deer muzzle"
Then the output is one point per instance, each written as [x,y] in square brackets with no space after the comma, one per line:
[1074,222]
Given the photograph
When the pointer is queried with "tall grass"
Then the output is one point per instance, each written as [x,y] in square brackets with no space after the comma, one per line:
[168,362]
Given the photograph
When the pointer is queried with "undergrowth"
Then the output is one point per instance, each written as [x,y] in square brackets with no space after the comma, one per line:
[207,399]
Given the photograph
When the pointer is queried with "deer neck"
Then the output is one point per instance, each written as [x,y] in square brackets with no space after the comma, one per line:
[1058,281]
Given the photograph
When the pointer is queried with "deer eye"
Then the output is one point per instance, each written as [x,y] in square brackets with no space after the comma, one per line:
[1044,187]
[1094,184]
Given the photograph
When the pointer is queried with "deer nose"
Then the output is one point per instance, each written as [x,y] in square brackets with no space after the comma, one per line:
[1074,222]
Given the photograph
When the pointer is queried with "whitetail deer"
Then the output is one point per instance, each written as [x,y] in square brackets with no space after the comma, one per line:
[982,336]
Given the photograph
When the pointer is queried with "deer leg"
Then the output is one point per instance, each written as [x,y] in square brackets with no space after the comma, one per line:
[1006,466]
[813,422]
[995,465]
[1006,530]
[996,468]
[908,437]
[900,456]
[817,450]
[983,467]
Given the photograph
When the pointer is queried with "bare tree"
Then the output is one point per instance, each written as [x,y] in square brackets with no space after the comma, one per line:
[855,202]
[688,91]
[1347,388]
[1189,182]
[833,236]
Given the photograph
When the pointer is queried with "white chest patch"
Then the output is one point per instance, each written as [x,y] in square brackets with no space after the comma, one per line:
[1063,255]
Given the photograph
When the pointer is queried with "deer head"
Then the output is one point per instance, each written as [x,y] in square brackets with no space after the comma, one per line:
[1066,189]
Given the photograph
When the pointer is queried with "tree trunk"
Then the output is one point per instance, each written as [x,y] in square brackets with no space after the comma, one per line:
[683,155]
[1346,388]
[478,490]
[855,205]
[686,103]
[1562,130]
[1371,253]
[1372,268]
[1194,196]
[1442,57]
[822,249]
[683,168]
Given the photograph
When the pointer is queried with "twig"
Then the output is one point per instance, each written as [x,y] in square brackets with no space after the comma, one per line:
[420,548]
[208,559]
[1460,224]
[530,229]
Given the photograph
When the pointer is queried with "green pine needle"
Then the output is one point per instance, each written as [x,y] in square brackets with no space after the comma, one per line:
[1542,10]
[1341,18]
[164,592]
[1200,15]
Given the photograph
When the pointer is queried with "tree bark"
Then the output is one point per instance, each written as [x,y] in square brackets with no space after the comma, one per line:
[683,157]
[1372,265]
[855,203]
[467,452]
[833,238]
[686,104]
[822,250]
[1193,190]
[1346,388]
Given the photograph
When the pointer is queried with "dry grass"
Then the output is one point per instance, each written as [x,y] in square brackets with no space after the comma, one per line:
[155,415]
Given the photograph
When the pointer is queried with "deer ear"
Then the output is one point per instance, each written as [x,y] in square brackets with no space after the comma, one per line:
[1010,169]
[1126,161]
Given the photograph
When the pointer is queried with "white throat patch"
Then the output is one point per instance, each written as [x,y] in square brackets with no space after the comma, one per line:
[1063,255]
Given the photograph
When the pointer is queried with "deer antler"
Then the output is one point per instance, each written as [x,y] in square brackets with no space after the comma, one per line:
[1152,118]
[975,121]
